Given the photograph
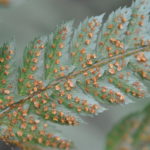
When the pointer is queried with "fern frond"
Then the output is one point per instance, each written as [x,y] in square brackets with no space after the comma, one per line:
[73,72]
[57,56]
[32,70]
[8,76]
[132,133]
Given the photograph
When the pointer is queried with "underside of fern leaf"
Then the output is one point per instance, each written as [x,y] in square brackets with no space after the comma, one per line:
[74,72]
[132,133]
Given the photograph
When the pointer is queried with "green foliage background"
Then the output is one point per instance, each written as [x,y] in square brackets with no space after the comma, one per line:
[35,17]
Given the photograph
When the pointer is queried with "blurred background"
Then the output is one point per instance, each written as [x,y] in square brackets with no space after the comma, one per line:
[26,19]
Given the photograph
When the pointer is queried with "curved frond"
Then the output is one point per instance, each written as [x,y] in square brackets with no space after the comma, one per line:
[75,72]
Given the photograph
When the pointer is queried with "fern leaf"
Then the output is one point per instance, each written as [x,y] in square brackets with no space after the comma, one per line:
[84,40]
[57,46]
[132,133]
[32,69]
[138,25]
[110,41]
[75,72]
[7,75]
